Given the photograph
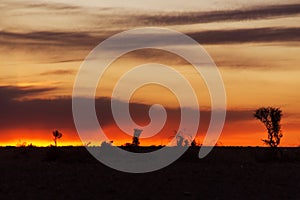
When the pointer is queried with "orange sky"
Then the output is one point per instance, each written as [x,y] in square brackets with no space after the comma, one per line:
[254,44]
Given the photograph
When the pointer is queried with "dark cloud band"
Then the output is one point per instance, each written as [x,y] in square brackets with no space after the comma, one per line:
[57,113]
[81,40]
[254,13]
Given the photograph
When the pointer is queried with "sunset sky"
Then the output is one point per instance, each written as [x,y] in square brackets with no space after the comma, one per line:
[255,45]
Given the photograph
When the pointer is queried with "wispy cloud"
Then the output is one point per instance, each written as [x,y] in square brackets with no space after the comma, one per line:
[11,93]
[48,38]
[58,72]
[52,6]
[254,13]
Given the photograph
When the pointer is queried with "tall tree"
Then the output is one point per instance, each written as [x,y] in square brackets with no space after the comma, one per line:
[56,135]
[270,117]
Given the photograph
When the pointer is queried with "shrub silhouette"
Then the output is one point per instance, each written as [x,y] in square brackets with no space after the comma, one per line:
[270,117]
[179,141]
[135,141]
[106,144]
[57,135]
[186,142]
[194,143]
[21,144]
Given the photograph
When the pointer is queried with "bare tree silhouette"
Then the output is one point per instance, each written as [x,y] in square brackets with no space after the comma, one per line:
[270,117]
[57,135]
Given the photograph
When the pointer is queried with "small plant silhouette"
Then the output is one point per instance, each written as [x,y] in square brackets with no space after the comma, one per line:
[179,141]
[106,144]
[21,144]
[135,141]
[57,135]
[270,117]
[194,143]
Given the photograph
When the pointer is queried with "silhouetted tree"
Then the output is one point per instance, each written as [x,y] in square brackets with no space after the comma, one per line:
[135,138]
[270,117]
[56,135]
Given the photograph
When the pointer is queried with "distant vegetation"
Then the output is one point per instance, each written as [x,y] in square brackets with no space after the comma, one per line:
[269,116]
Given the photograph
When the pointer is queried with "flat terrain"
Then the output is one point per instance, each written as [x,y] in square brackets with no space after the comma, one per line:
[226,173]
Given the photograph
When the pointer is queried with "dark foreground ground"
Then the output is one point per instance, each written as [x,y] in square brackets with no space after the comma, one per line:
[226,173]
